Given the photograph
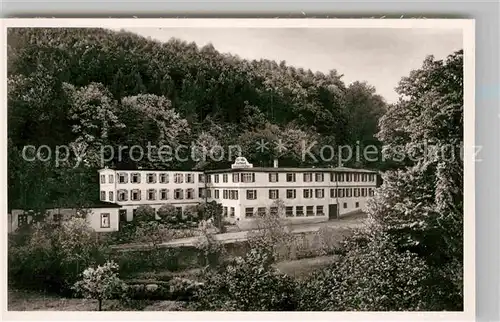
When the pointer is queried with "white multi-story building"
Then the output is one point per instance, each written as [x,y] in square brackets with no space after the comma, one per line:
[133,188]
[308,194]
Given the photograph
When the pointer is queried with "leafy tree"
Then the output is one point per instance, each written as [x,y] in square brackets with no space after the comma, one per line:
[144,213]
[100,283]
[51,257]
[374,276]
[272,233]
[167,213]
[248,283]
[420,205]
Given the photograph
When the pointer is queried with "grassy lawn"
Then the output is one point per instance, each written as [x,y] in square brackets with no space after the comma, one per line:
[30,301]
[303,267]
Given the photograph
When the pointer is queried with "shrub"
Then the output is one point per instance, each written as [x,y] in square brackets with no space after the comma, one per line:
[100,283]
[183,289]
[372,278]
[168,214]
[247,284]
[273,234]
[144,213]
[53,257]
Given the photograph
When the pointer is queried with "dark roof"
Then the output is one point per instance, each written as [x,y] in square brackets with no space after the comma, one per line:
[103,204]
[258,169]
[271,169]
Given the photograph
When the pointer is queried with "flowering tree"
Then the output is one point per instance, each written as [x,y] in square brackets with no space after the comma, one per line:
[273,232]
[100,283]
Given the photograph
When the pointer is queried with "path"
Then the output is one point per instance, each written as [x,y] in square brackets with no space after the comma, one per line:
[232,237]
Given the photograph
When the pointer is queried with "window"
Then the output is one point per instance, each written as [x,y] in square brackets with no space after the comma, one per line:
[122,195]
[273,211]
[123,214]
[341,193]
[357,204]
[179,210]
[291,193]
[273,177]
[178,194]
[299,211]
[111,196]
[231,212]
[307,177]
[348,177]
[135,195]
[22,219]
[371,193]
[152,194]
[261,211]
[216,193]
[333,193]
[290,177]
[111,178]
[251,194]
[274,194]
[105,218]
[151,178]
[178,178]
[345,204]
[233,194]
[189,178]
[163,194]
[225,194]
[216,178]
[190,193]
[208,178]
[236,177]
[333,177]
[135,178]
[289,211]
[356,177]
[209,193]
[225,211]
[57,218]
[122,178]
[248,212]
[348,192]
[103,178]
[320,177]
[307,193]
[248,177]
[363,177]
[319,211]
[356,192]
[164,178]
[103,195]
[224,177]
[201,193]
[201,178]
[320,193]
[340,177]
[310,211]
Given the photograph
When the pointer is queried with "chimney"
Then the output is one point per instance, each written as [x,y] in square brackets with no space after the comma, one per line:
[275,163]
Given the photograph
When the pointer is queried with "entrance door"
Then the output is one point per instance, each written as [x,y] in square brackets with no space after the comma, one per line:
[332,211]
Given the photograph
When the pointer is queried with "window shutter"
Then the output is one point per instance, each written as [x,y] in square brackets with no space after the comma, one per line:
[253,177]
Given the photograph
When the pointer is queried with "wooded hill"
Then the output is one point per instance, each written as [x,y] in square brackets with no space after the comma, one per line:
[91,87]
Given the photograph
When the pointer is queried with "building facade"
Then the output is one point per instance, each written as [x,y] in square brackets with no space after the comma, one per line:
[102,217]
[307,194]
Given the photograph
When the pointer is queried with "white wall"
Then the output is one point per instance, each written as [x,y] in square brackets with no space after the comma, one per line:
[93,218]
[129,205]
[262,185]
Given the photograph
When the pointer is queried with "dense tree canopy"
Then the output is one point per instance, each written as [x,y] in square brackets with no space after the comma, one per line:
[94,87]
